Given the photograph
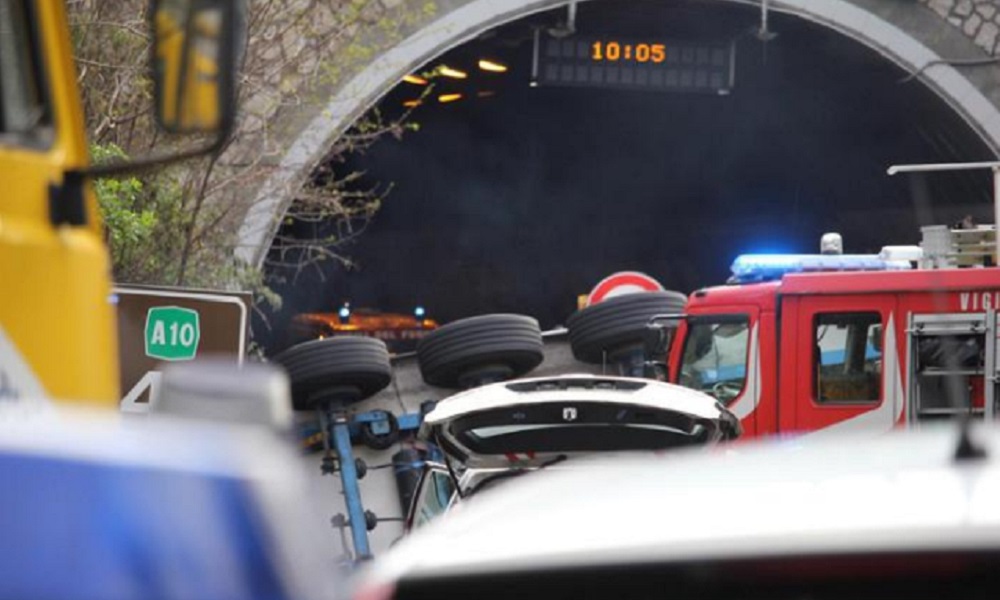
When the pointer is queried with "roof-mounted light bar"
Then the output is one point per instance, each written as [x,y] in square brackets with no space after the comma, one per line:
[751,268]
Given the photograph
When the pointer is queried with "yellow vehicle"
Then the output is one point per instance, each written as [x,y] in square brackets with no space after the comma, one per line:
[200,73]
[57,330]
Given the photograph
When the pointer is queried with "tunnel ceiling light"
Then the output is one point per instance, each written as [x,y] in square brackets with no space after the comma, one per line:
[412,103]
[444,98]
[415,79]
[485,94]
[446,71]
[492,66]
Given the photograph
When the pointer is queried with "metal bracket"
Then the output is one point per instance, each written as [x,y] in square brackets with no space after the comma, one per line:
[568,27]
[763,33]
[66,201]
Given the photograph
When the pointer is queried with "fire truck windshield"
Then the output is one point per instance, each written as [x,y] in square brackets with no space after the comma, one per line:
[715,355]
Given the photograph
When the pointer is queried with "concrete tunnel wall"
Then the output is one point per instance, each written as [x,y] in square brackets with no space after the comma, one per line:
[924,37]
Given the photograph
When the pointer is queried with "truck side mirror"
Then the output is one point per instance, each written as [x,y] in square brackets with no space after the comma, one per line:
[194,60]
[875,338]
[703,341]
[731,426]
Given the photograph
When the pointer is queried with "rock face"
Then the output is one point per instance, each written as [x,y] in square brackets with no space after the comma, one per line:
[977,19]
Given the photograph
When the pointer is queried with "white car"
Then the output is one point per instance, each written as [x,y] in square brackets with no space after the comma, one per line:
[502,429]
[910,514]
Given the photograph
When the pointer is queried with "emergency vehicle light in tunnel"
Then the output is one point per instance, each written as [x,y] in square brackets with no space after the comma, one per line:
[492,66]
[763,267]
[415,79]
[446,71]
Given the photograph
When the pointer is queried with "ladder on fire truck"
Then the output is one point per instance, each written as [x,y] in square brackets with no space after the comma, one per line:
[949,247]
[952,368]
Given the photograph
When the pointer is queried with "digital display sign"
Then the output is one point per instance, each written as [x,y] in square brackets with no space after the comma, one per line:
[647,64]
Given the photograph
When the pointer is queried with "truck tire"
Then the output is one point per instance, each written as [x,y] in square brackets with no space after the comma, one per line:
[346,369]
[489,347]
[381,441]
[617,323]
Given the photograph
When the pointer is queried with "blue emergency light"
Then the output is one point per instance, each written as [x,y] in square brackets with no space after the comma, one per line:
[751,268]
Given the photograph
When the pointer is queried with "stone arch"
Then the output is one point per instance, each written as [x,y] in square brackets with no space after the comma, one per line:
[910,35]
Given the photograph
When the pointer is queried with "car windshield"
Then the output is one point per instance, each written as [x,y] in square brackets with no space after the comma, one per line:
[435,499]
[489,481]
[715,356]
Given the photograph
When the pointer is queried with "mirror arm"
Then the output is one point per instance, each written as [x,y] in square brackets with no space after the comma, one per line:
[124,167]
[657,321]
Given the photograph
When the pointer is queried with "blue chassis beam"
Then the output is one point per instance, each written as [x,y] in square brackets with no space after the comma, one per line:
[343,433]
[352,493]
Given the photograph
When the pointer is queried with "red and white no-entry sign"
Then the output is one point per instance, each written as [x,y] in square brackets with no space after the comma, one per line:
[620,283]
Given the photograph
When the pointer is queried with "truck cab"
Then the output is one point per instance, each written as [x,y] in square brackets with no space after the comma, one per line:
[810,344]
[57,326]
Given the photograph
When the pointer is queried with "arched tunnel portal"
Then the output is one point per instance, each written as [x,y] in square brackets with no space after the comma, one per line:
[523,197]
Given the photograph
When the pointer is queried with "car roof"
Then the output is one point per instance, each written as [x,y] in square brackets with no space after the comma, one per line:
[901,491]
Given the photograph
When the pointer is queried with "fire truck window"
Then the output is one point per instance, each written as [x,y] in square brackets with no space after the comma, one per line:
[715,356]
[848,357]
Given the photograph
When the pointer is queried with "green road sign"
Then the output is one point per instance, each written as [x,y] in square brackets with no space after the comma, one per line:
[172,333]
[219,322]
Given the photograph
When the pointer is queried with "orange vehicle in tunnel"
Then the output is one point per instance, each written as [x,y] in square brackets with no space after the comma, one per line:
[399,332]
[844,342]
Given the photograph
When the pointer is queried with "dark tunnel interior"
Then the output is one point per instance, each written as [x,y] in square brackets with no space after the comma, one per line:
[520,200]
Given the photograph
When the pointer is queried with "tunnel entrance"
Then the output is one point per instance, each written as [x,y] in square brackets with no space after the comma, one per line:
[516,198]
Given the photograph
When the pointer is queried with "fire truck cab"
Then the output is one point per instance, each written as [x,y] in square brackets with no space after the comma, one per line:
[801,343]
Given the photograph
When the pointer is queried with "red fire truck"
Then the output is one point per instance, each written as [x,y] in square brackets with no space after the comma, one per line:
[839,342]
